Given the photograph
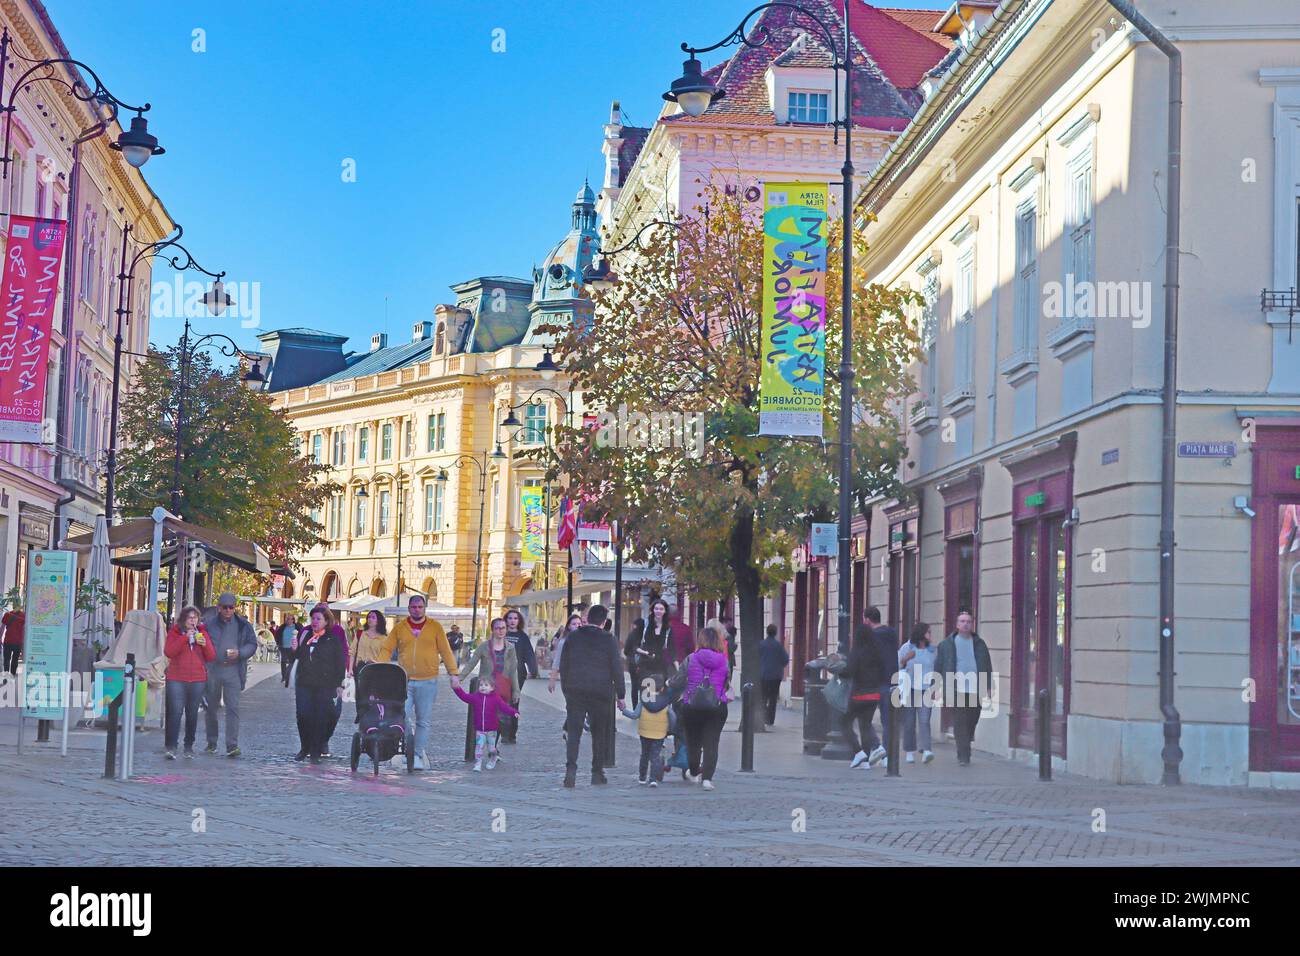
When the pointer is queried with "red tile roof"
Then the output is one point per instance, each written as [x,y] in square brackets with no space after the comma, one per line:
[889,61]
[922,21]
[903,54]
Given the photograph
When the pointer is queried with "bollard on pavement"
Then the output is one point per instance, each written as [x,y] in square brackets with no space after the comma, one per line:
[892,700]
[746,728]
[110,749]
[469,721]
[1044,735]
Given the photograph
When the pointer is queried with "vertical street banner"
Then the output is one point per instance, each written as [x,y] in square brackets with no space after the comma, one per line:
[28,290]
[791,382]
[50,603]
[532,545]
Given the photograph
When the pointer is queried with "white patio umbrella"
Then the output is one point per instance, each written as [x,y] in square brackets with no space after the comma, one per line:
[98,624]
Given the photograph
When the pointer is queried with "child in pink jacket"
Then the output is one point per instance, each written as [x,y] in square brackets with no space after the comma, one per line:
[486,706]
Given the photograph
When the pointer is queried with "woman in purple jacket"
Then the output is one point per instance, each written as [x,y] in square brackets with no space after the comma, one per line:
[703,724]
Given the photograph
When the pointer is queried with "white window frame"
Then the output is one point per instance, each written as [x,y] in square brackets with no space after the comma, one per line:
[1026,249]
[1075,332]
[384,512]
[807,108]
[1286,180]
[961,396]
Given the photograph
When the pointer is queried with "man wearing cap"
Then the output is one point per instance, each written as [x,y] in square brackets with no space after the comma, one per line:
[235,642]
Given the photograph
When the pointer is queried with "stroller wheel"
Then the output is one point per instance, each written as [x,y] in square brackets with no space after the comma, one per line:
[356,751]
[408,744]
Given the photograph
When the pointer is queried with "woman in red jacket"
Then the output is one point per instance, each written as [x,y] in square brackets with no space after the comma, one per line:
[189,650]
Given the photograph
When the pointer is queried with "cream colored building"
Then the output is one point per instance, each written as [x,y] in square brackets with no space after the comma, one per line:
[1034,177]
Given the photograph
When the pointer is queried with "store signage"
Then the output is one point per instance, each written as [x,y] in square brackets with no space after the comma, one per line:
[1036,500]
[898,536]
[428,565]
[34,529]
[1110,457]
[1207,449]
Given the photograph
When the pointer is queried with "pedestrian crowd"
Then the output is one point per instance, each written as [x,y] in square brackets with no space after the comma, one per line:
[679,683]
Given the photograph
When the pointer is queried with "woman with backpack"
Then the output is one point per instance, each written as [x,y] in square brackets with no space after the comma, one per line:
[704,705]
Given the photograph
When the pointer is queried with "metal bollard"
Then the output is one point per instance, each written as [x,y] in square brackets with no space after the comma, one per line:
[1044,735]
[110,749]
[469,721]
[746,728]
[611,737]
[892,700]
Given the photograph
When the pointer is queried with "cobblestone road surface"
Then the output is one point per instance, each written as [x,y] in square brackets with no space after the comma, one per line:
[264,809]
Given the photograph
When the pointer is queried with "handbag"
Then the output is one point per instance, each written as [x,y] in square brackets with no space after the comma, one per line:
[836,693]
[704,699]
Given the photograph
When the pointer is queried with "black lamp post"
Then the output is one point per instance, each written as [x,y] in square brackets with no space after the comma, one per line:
[216,299]
[512,421]
[136,144]
[694,92]
[125,282]
[482,466]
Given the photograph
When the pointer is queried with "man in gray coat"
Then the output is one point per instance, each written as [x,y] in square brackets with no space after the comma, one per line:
[235,642]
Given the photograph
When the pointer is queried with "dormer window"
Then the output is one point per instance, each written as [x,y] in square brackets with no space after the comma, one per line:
[808,107]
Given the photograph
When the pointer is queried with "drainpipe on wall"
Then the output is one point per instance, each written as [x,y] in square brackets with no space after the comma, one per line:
[1172,752]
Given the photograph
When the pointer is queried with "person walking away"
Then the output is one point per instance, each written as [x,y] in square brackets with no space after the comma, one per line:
[591,674]
[319,668]
[652,725]
[867,667]
[285,640]
[420,643]
[915,665]
[189,649]
[730,635]
[887,639]
[681,644]
[772,661]
[486,706]
[369,647]
[494,661]
[523,644]
[965,670]
[235,642]
[14,623]
[704,704]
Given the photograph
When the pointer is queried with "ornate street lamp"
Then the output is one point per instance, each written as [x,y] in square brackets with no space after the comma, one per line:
[694,92]
[136,144]
[482,466]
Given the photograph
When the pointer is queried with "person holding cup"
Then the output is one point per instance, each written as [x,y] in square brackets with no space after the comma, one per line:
[190,654]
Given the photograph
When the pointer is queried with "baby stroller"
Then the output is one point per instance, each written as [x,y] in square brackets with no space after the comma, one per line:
[381,719]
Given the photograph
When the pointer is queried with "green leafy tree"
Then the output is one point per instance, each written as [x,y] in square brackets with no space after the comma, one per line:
[241,469]
[679,332]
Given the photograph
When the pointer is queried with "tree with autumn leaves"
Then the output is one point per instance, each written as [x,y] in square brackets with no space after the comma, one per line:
[240,468]
[679,332]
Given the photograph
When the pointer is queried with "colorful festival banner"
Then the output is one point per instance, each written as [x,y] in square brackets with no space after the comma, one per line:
[791,383]
[28,289]
[532,544]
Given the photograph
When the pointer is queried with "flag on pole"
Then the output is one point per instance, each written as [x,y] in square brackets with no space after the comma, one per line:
[568,522]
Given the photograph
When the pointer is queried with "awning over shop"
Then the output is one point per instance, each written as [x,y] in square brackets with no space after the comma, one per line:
[138,533]
[529,598]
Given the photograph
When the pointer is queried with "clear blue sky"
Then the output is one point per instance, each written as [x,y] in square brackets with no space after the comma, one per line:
[466,159]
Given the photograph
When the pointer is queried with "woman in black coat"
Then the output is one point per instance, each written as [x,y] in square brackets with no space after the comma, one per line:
[319,667]
[866,672]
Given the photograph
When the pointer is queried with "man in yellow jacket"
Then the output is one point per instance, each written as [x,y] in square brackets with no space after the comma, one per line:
[419,643]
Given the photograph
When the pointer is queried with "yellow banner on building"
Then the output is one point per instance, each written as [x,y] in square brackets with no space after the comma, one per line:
[792,378]
[532,543]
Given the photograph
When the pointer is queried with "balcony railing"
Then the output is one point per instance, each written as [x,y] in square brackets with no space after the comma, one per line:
[1281,300]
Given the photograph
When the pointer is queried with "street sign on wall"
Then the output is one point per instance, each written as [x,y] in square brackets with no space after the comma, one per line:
[50,606]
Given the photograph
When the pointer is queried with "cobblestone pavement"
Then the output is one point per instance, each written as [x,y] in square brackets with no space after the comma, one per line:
[264,809]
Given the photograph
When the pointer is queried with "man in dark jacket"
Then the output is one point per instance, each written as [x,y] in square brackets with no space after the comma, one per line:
[591,675]
[867,672]
[887,640]
[235,642]
[964,669]
[772,661]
